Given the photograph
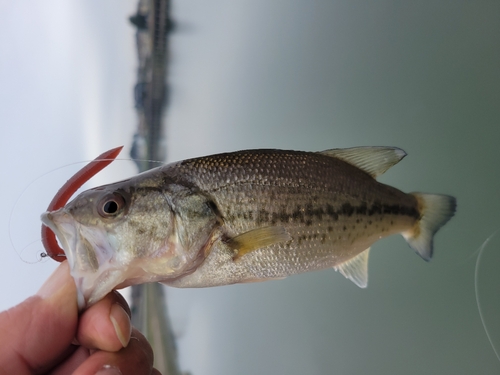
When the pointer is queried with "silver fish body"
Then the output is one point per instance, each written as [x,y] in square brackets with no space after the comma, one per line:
[241,217]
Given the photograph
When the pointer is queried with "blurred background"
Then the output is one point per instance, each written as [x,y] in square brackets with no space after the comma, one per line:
[304,75]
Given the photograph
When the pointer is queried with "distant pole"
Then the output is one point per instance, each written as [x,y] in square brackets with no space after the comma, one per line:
[150,316]
[153,23]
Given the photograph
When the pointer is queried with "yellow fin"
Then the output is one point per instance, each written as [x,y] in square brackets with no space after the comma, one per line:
[435,211]
[356,269]
[256,239]
[373,160]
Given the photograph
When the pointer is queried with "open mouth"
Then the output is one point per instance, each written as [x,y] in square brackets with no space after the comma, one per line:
[63,226]
[89,254]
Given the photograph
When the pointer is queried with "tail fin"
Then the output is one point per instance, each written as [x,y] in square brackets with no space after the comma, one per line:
[435,211]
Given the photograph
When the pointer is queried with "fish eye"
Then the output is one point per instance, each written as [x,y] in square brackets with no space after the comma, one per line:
[110,205]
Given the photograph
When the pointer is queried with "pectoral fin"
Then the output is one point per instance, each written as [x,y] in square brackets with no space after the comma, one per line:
[356,269]
[257,239]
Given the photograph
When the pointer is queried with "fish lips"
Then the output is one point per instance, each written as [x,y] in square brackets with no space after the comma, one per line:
[89,254]
[63,226]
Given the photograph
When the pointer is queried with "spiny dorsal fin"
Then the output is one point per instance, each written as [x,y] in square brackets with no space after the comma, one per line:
[256,239]
[356,269]
[373,160]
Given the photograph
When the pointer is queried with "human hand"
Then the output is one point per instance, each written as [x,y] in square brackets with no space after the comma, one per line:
[46,335]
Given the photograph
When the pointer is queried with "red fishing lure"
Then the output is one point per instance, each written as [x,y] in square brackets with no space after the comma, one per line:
[66,191]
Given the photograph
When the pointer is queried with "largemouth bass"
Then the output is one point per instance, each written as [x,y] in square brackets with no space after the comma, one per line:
[241,217]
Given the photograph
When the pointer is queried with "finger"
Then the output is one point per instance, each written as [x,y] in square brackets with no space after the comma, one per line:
[106,324]
[136,358]
[72,362]
[49,318]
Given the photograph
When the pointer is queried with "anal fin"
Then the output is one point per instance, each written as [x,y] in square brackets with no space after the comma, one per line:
[356,269]
[256,239]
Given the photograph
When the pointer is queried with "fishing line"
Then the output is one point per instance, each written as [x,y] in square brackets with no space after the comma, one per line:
[476,289]
[474,255]
[42,255]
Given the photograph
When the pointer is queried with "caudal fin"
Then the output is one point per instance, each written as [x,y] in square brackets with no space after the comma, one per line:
[435,212]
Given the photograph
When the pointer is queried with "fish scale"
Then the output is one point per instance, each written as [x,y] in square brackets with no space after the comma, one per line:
[313,196]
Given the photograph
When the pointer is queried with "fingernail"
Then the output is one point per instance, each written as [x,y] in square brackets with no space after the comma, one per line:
[55,282]
[108,370]
[121,323]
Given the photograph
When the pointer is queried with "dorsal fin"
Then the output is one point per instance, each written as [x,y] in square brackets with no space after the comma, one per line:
[356,269]
[373,160]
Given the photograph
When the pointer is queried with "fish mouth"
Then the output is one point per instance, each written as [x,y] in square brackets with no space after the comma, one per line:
[90,256]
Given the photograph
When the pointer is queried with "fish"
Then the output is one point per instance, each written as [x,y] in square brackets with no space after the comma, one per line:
[240,217]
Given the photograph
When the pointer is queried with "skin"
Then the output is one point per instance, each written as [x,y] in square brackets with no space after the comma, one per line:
[45,334]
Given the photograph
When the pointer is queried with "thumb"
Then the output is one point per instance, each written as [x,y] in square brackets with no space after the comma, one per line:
[37,333]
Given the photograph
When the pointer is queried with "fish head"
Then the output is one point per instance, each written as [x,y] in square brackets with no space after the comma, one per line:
[119,235]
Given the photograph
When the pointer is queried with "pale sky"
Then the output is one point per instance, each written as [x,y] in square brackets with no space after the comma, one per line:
[63,97]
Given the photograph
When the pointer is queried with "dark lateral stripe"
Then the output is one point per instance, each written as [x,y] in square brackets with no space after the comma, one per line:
[309,213]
